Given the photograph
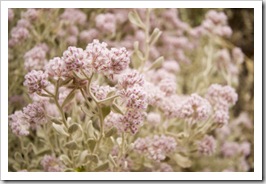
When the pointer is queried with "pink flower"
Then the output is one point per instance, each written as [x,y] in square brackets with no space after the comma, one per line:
[207,146]
[129,79]
[154,118]
[120,60]
[36,81]
[171,66]
[35,113]
[56,68]
[18,34]
[101,92]
[98,54]
[10,14]
[106,23]
[87,36]
[230,149]
[52,164]
[156,147]
[19,123]
[221,117]
[238,55]
[31,14]
[35,59]
[74,58]
[168,86]
[195,107]
[245,148]
[74,16]
[132,120]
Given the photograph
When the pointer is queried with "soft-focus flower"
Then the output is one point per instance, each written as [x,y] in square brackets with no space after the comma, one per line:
[74,16]
[31,14]
[106,22]
[156,147]
[230,149]
[19,123]
[238,55]
[195,107]
[154,118]
[87,36]
[18,34]
[207,146]
[221,117]
[35,113]
[35,59]
[10,14]
[168,86]
[36,81]
[52,164]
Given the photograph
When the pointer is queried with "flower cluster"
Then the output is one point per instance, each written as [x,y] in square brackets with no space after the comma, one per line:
[156,147]
[52,164]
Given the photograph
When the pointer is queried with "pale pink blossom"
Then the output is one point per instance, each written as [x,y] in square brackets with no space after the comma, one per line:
[207,145]
[35,59]
[56,68]
[52,164]
[153,118]
[19,123]
[106,23]
[87,36]
[168,86]
[130,78]
[238,55]
[230,149]
[101,92]
[10,14]
[74,16]
[36,81]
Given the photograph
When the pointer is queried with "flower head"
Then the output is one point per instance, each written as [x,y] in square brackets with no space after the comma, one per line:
[52,164]
[36,81]
[19,123]
[207,146]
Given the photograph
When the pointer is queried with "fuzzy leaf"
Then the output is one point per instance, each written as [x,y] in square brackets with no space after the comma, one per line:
[69,97]
[72,145]
[135,19]
[102,167]
[157,63]
[94,158]
[60,129]
[105,111]
[86,111]
[83,156]
[136,60]
[116,109]
[57,121]
[111,132]
[73,128]
[18,157]
[182,161]
[155,36]
[65,159]
[91,143]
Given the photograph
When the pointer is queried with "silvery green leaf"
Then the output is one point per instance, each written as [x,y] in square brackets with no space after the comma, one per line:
[69,97]
[157,63]
[111,132]
[102,167]
[60,129]
[135,19]
[91,143]
[116,109]
[65,159]
[57,121]
[18,157]
[94,158]
[83,156]
[105,111]
[155,36]
[182,161]
[72,145]
[73,128]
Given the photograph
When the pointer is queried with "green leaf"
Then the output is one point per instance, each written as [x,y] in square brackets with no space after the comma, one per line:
[102,167]
[135,19]
[182,161]
[83,157]
[69,97]
[157,63]
[116,109]
[137,58]
[94,158]
[57,121]
[111,132]
[72,145]
[65,159]
[73,128]
[155,36]
[91,143]
[18,157]
[105,111]
[60,129]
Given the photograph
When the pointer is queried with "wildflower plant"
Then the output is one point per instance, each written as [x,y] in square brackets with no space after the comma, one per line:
[125,90]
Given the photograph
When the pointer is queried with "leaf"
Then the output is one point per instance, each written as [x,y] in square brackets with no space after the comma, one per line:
[72,145]
[111,132]
[18,157]
[60,129]
[182,161]
[157,63]
[155,36]
[136,60]
[73,128]
[116,109]
[83,156]
[105,111]
[90,129]
[94,158]
[102,167]
[57,121]
[135,19]
[69,97]
[86,111]
[65,159]
[91,143]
